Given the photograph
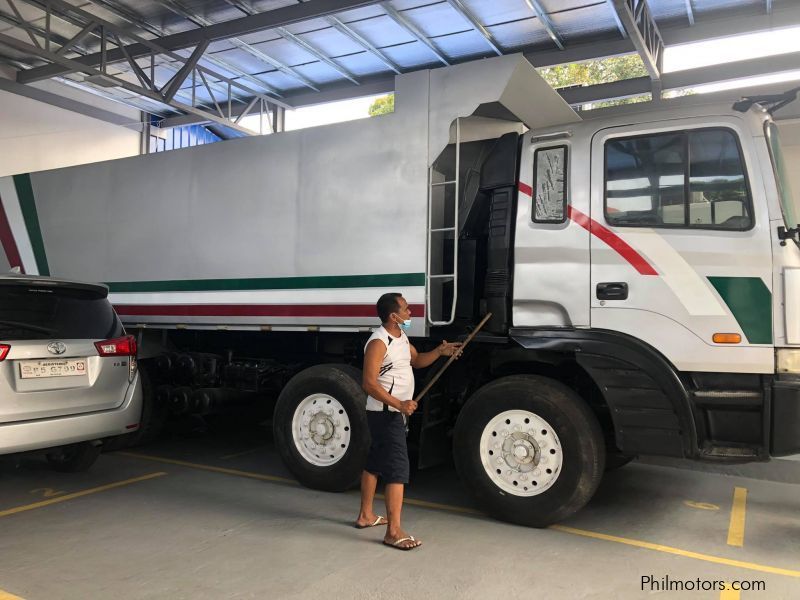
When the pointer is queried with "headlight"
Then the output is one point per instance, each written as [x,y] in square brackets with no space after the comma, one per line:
[787,360]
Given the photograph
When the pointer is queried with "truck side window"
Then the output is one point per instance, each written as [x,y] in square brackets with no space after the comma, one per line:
[689,179]
[550,185]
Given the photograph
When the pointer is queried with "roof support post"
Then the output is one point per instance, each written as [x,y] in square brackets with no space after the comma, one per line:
[641,28]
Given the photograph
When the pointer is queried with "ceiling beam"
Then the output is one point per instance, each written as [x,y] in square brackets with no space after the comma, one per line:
[414,31]
[465,13]
[278,17]
[348,31]
[689,11]
[545,21]
[642,30]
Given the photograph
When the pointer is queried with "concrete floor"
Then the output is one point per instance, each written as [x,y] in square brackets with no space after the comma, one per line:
[147,528]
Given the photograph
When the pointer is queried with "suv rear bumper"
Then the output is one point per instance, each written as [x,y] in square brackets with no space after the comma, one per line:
[50,433]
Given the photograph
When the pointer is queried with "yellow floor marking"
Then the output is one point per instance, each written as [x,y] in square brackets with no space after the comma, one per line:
[677,551]
[102,488]
[729,593]
[7,596]
[701,505]
[462,509]
[183,463]
[242,453]
[736,527]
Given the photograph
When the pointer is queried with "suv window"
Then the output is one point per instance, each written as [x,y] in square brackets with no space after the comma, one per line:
[690,179]
[31,312]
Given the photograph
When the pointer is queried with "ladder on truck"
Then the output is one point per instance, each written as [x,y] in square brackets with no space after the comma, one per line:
[442,236]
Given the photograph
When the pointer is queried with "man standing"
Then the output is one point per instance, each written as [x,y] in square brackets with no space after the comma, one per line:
[389,382]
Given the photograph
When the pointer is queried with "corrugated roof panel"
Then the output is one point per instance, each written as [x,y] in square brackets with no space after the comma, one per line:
[311,25]
[413,54]
[360,14]
[498,11]
[363,64]
[461,45]
[404,5]
[382,32]
[280,81]
[285,52]
[331,43]
[586,22]
[707,7]
[665,11]
[318,72]
[436,19]
[517,34]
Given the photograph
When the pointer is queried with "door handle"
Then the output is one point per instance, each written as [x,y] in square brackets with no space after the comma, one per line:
[614,290]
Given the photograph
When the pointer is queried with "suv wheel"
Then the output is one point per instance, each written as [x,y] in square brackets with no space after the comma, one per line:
[74,458]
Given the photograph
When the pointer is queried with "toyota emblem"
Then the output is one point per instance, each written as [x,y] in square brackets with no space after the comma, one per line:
[56,347]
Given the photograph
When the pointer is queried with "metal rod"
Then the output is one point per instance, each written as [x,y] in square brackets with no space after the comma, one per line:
[455,355]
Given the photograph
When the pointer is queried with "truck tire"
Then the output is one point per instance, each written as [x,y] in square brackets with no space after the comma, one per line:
[74,458]
[529,450]
[320,427]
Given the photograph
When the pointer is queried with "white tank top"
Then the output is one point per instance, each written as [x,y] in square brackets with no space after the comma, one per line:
[395,375]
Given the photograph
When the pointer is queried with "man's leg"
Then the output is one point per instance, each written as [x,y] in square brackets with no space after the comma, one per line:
[394,506]
[366,515]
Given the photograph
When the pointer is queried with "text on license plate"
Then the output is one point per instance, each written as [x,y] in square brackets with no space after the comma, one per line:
[65,367]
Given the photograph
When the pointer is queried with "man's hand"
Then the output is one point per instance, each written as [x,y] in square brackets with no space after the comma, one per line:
[407,407]
[449,349]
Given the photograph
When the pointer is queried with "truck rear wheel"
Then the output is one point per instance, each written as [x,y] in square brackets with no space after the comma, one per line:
[529,450]
[320,427]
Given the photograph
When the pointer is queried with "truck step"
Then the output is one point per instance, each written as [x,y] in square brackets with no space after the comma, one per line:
[729,452]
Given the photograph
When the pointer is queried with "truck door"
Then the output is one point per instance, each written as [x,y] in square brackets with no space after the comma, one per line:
[551,251]
[680,246]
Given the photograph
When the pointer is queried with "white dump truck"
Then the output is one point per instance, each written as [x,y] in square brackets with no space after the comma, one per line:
[642,272]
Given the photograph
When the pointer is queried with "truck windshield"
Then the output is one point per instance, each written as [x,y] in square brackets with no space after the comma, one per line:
[789,204]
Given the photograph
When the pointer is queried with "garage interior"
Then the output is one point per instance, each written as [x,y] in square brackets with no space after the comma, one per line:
[208,510]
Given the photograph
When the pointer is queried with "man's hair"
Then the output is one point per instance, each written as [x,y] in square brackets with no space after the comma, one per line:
[387,304]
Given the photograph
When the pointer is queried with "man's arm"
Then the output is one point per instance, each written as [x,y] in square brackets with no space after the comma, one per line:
[425,359]
[373,358]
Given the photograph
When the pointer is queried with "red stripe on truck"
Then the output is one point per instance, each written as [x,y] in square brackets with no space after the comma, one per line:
[255,310]
[7,240]
[615,242]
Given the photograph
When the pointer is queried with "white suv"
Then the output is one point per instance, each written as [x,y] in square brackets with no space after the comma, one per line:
[68,374]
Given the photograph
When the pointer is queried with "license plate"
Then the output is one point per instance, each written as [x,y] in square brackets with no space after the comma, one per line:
[64,367]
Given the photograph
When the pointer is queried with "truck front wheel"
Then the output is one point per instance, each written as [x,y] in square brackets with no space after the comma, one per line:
[320,427]
[529,449]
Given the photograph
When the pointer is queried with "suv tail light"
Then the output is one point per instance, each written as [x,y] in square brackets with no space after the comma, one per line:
[4,350]
[123,346]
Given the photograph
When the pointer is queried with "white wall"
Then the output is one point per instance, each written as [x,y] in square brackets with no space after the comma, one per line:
[35,136]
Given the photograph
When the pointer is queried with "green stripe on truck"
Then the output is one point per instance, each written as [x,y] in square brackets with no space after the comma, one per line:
[394,280]
[28,207]
[750,302]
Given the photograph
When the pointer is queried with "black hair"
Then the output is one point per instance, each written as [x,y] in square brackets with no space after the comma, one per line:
[387,304]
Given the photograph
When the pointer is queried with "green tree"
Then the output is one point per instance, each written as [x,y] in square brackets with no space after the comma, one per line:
[591,72]
[382,106]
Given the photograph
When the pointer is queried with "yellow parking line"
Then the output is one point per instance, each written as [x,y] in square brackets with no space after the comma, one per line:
[242,453]
[7,596]
[462,509]
[102,488]
[729,593]
[183,463]
[736,527]
[677,551]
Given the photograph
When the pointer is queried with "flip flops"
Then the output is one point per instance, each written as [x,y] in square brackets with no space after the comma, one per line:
[379,520]
[399,543]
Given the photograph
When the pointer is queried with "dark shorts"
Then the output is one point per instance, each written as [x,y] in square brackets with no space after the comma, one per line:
[388,454]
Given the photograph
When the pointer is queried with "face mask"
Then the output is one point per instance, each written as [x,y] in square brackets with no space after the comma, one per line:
[405,325]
